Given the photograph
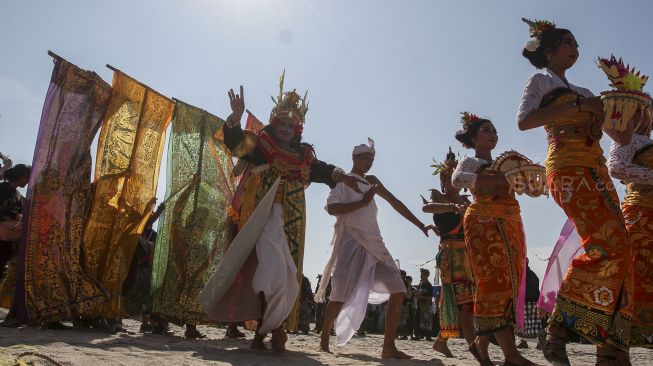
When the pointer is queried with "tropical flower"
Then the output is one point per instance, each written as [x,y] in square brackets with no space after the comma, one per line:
[532,45]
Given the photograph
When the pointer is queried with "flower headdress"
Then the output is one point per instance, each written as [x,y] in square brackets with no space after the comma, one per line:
[536,28]
[467,118]
[447,166]
[289,105]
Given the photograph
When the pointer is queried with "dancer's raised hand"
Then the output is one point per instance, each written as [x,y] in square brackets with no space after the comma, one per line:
[237,103]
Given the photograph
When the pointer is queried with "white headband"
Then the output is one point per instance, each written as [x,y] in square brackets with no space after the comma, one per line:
[362,148]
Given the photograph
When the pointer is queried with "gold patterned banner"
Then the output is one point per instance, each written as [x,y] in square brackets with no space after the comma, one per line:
[192,234]
[59,194]
[126,174]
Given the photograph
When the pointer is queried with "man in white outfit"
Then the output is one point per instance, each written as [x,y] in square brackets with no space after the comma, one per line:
[361,268]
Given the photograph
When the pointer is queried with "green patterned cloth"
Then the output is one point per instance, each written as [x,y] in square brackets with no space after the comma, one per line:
[192,233]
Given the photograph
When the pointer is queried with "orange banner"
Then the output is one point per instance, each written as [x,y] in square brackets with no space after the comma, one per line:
[126,175]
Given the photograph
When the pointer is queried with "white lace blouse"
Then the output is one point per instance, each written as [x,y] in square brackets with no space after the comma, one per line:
[465,174]
[539,85]
[620,162]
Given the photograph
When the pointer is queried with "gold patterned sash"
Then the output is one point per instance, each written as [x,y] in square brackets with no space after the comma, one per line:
[507,212]
[574,139]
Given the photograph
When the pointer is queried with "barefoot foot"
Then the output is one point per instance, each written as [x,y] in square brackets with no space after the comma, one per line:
[441,346]
[278,340]
[393,352]
[324,345]
[257,342]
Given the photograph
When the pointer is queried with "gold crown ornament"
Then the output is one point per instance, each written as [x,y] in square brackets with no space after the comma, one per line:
[626,98]
[289,105]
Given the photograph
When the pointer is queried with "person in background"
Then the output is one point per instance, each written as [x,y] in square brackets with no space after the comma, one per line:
[424,304]
[405,321]
[533,323]
[139,279]
[319,307]
[307,303]
[6,163]
[456,295]
[11,208]
[11,215]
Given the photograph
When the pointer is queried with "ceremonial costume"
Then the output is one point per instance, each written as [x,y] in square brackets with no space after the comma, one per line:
[633,164]
[452,259]
[494,234]
[268,209]
[495,241]
[579,183]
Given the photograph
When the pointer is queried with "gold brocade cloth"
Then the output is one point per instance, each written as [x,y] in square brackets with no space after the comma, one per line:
[126,176]
[588,302]
[60,196]
[291,193]
[496,243]
[573,140]
[638,285]
[578,180]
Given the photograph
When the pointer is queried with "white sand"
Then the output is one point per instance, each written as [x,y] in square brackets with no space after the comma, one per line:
[96,348]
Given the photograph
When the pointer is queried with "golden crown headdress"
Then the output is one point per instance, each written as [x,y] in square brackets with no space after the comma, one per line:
[467,118]
[289,104]
[537,27]
[447,166]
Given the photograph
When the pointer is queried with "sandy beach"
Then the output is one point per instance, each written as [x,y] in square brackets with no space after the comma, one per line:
[96,348]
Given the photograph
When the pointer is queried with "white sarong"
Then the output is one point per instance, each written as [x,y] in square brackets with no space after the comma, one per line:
[361,269]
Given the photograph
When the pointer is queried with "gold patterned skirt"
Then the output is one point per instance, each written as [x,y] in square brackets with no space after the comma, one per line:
[588,299]
[497,251]
[455,269]
[457,284]
[638,288]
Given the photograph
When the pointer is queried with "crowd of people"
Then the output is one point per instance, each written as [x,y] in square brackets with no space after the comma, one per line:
[486,292]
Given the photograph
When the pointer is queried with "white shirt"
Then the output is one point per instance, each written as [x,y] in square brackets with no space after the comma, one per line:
[341,193]
[620,162]
[539,85]
[466,172]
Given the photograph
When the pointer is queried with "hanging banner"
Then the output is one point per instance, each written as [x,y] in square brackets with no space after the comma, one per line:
[126,175]
[59,195]
[192,234]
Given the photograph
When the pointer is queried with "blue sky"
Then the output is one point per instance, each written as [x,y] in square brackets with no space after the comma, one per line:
[397,71]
